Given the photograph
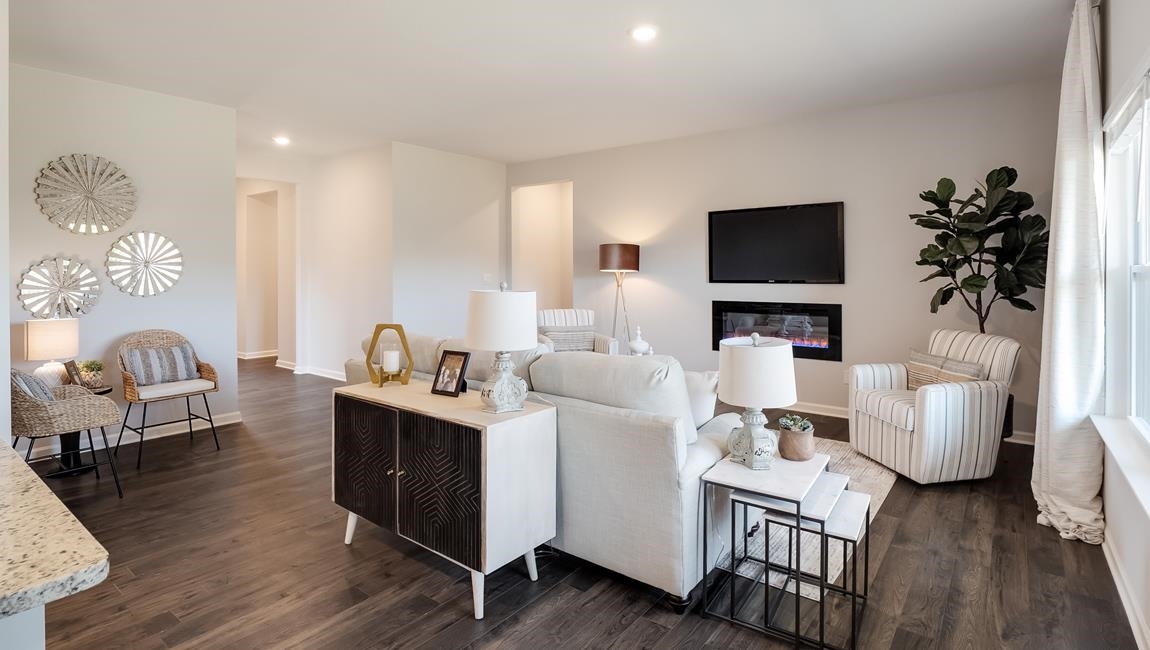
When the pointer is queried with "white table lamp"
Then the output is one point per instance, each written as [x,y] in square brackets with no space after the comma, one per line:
[51,340]
[756,373]
[502,322]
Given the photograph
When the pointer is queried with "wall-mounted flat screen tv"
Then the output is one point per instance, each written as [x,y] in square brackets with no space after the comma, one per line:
[792,243]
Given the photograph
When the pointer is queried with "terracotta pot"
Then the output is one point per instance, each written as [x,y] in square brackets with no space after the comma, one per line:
[796,445]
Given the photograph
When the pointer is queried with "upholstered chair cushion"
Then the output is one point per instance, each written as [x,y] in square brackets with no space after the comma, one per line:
[923,369]
[32,386]
[161,365]
[654,383]
[570,338]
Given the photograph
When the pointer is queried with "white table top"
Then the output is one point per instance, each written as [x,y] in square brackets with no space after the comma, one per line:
[817,505]
[786,479]
[467,409]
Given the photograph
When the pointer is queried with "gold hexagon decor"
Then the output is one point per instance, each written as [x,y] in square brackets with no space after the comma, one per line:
[85,194]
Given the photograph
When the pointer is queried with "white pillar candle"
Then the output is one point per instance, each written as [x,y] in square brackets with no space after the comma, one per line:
[391,361]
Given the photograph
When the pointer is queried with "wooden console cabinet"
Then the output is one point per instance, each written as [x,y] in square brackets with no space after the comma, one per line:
[477,488]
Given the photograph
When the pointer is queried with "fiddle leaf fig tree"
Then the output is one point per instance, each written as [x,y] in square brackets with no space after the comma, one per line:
[986,248]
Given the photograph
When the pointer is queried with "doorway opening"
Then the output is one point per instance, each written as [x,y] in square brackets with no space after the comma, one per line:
[541,242]
[265,271]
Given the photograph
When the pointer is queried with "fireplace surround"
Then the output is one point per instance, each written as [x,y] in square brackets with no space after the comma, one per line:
[814,329]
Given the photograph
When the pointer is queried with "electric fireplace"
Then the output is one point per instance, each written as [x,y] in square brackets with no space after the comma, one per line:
[814,330]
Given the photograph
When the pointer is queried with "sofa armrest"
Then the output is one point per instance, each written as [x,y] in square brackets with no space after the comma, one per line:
[80,413]
[874,376]
[547,342]
[980,396]
[606,345]
[208,371]
[68,391]
[131,392]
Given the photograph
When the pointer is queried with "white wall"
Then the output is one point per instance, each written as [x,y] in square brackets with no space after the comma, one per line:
[256,275]
[541,242]
[1126,45]
[346,257]
[181,155]
[449,210]
[286,259]
[5,354]
[875,159]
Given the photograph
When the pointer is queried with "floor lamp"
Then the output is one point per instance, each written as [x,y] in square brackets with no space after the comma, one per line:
[619,259]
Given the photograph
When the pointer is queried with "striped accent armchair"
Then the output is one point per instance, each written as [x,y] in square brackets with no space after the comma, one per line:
[941,432]
[573,330]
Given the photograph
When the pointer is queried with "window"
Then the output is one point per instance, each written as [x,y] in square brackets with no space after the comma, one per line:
[1128,257]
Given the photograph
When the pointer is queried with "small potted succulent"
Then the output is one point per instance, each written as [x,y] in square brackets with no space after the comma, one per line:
[91,373]
[796,438]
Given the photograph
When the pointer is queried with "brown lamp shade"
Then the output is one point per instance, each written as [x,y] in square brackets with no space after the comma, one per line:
[618,258]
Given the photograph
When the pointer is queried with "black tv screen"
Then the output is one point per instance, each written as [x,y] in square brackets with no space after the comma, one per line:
[792,243]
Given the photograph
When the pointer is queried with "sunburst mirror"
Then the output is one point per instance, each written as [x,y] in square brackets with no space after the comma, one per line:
[144,263]
[58,287]
[85,194]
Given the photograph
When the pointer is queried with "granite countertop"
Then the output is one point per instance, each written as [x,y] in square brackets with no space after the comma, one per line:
[45,552]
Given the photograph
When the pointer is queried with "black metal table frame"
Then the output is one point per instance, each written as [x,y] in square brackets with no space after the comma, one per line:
[792,573]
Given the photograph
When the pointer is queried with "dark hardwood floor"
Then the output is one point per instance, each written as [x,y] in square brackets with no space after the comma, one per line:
[242,548]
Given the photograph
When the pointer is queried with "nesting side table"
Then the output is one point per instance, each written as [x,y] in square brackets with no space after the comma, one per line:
[805,499]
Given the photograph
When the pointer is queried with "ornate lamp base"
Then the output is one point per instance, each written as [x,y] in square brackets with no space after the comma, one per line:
[753,444]
[504,392]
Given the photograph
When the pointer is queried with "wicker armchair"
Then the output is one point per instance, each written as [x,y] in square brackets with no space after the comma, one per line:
[72,409]
[135,393]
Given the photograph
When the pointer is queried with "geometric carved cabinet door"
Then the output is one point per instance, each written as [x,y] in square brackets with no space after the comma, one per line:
[364,458]
[440,487]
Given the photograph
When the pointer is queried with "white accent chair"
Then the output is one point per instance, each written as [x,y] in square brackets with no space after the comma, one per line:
[941,432]
[573,330]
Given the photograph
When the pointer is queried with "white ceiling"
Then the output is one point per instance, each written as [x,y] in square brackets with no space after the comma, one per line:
[514,80]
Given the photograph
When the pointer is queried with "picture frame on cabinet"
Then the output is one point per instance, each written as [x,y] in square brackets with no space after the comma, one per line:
[450,377]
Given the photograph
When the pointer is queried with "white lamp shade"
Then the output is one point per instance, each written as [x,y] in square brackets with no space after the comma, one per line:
[757,376]
[51,339]
[501,321]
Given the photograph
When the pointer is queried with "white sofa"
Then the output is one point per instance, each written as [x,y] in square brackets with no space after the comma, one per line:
[426,352]
[941,432]
[635,435]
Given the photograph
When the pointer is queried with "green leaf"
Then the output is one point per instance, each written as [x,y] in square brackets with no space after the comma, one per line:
[974,283]
[1021,304]
[932,224]
[941,297]
[963,245]
[937,274]
[945,189]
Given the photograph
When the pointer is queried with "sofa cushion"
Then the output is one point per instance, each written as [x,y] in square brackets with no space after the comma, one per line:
[703,390]
[175,388]
[653,383]
[889,405]
[161,365]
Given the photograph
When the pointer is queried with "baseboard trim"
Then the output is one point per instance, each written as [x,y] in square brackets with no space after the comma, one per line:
[1022,438]
[322,372]
[173,429]
[821,409]
[262,354]
[1139,626]
[286,365]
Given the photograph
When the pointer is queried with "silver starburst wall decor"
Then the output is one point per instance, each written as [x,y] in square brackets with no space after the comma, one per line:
[144,264]
[85,194]
[58,287]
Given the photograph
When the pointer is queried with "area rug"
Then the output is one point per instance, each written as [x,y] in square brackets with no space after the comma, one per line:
[865,476]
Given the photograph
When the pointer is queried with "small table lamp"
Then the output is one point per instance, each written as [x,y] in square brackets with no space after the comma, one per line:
[502,322]
[756,373]
[51,339]
[619,259]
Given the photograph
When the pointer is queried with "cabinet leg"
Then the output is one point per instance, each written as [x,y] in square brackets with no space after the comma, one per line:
[532,571]
[477,594]
[352,518]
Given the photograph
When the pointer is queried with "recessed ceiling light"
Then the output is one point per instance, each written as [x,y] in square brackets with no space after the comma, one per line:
[282,140]
[644,33]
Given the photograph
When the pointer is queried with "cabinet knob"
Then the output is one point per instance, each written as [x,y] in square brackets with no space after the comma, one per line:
[390,472]
[401,473]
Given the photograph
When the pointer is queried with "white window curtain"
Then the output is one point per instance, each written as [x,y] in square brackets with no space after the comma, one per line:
[1067,475]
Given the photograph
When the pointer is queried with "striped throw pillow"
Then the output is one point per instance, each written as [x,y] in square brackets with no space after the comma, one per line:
[923,369]
[33,386]
[573,338]
[162,365]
